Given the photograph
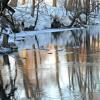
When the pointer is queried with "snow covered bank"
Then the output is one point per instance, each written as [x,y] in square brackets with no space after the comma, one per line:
[46,14]
[25,12]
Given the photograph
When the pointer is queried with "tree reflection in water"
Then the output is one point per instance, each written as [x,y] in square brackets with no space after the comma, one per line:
[7,90]
[36,92]
[80,78]
[57,72]
[36,79]
[56,36]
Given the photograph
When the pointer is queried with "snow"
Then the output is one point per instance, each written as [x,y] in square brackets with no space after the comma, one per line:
[46,14]
[42,23]
[83,17]
[66,21]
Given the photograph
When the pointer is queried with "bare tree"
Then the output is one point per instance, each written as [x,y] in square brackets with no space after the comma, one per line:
[54,3]
[13,3]
[37,15]
[87,9]
[70,4]
[65,5]
[33,7]
[22,1]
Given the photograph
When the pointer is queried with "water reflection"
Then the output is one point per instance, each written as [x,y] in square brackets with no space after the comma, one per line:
[66,67]
[83,77]
[7,83]
[56,36]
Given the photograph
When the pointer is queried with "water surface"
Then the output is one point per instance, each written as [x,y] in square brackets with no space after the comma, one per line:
[53,66]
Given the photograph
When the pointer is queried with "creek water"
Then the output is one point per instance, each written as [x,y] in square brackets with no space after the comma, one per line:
[53,66]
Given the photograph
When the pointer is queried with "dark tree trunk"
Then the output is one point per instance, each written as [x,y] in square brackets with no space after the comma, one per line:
[37,15]
[33,7]
[5,40]
[54,3]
